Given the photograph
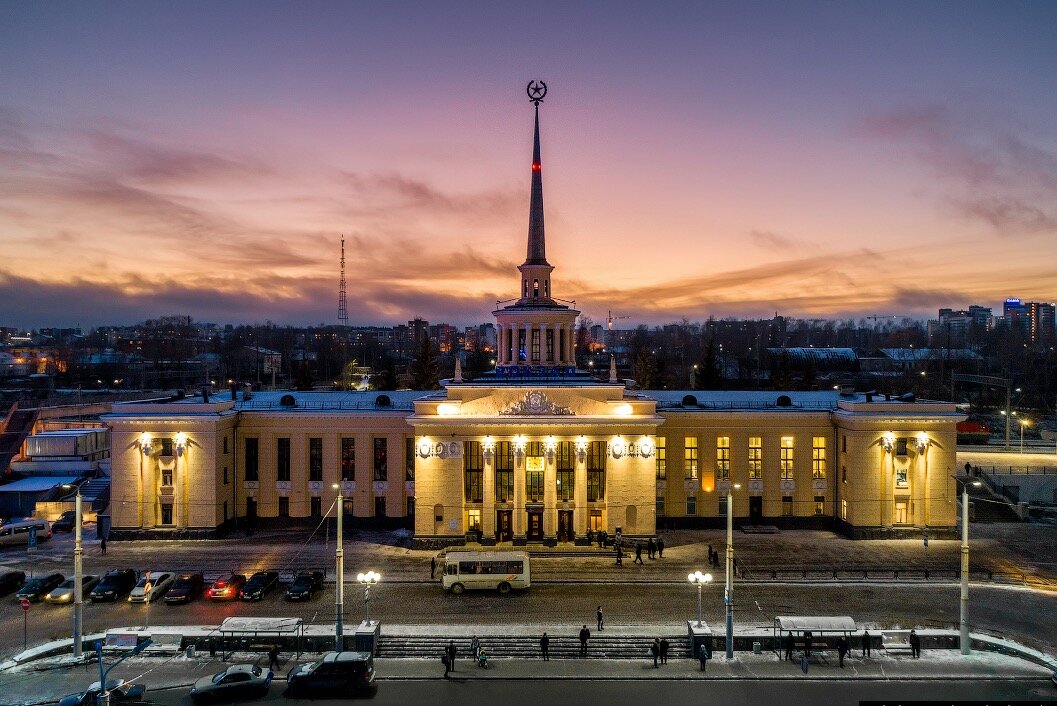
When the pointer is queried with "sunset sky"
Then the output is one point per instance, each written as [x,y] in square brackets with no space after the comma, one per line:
[821,159]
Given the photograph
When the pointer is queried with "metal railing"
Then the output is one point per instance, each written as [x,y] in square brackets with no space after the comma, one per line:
[1015,470]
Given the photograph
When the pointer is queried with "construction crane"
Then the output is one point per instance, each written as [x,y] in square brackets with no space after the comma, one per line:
[876,317]
[610,319]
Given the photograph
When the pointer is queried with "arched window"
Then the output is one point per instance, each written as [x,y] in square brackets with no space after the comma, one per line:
[546,287]
[535,288]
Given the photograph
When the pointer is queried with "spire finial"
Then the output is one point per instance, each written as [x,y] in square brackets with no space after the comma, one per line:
[537,248]
[536,91]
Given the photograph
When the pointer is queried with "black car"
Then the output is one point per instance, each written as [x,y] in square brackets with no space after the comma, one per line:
[10,580]
[259,585]
[116,584]
[336,674]
[305,586]
[36,588]
[66,522]
[185,589]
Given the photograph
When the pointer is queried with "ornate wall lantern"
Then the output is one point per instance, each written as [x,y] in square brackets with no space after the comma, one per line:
[145,444]
[888,441]
[488,448]
[581,448]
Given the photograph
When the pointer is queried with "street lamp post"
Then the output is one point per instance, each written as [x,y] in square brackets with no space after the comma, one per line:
[339,560]
[700,579]
[728,594]
[1023,423]
[964,613]
[78,578]
[368,579]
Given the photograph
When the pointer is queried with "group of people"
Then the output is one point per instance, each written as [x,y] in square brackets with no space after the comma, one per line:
[654,550]
[659,651]
[477,652]
[713,559]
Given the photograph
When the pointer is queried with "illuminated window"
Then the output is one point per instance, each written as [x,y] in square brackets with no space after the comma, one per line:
[534,486]
[566,471]
[690,456]
[901,478]
[901,513]
[844,510]
[348,459]
[787,458]
[473,468]
[504,472]
[755,457]
[820,504]
[473,520]
[596,471]
[662,459]
[818,457]
[722,458]
[409,458]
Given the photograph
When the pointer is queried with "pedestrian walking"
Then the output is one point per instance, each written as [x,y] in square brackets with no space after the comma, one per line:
[735,562]
[619,551]
[711,560]
[655,651]
[451,651]
[704,653]
[842,650]
[590,537]
[664,650]
[475,648]
[273,658]
[790,643]
[599,622]
[807,645]
[102,545]
[651,548]
[638,552]
[585,635]
[432,568]
[660,548]
[866,643]
[915,644]
[447,663]
[545,643]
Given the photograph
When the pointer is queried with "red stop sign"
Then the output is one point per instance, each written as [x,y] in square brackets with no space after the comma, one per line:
[24,603]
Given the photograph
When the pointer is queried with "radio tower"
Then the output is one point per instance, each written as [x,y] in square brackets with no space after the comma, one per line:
[343,310]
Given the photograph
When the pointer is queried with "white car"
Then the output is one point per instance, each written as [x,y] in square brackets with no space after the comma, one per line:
[64,593]
[160,582]
[237,681]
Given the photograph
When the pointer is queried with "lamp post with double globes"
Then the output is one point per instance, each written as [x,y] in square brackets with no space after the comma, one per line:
[700,580]
[78,576]
[728,594]
[963,622]
[339,559]
[368,579]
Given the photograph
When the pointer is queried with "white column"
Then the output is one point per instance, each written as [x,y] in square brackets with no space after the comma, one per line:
[570,348]
[501,350]
[543,344]
[556,351]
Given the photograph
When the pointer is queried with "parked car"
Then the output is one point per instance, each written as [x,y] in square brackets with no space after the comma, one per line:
[121,692]
[305,586]
[185,588]
[36,588]
[160,582]
[64,592]
[114,585]
[336,674]
[227,588]
[10,581]
[66,522]
[259,585]
[237,681]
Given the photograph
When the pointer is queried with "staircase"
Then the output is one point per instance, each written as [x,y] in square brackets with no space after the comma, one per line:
[528,646]
[17,426]
[988,506]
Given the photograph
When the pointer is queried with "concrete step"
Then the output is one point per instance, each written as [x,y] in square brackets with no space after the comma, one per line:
[561,647]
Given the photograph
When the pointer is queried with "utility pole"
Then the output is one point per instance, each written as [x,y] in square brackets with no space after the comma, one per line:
[78,581]
[339,557]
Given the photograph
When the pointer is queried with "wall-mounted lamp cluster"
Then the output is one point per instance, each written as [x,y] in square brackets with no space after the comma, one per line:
[920,442]
[427,448]
[619,448]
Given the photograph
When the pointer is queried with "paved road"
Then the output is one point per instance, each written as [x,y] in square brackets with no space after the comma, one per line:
[734,693]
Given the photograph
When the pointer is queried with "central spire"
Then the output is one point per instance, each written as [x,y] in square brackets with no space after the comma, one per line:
[537,245]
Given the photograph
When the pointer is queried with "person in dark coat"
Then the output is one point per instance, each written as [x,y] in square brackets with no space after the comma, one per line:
[807,644]
[102,545]
[638,552]
[660,548]
[432,568]
[619,552]
[915,644]
[545,643]
[790,643]
[599,622]
[585,635]
[842,650]
[866,643]
[664,651]
[651,548]
[273,658]
[447,663]
[711,558]
[704,654]
[451,651]
[655,651]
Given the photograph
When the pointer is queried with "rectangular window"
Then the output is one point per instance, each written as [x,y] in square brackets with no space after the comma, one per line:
[901,513]
[844,443]
[381,458]
[787,458]
[282,465]
[662,459]
[315,459]
[284,507]
[566,458]
[901,446]
[690,456]
[535,344]
[843,474]
[379,507]
[722,458]
[166,476]
[348,459]
[566,467]
[691,504]
[252,458]
[166,514]
[901,478]
[660,506]
[473,472]
[225,475]
[225,510]
[818,457]
[844,510]
[787,505]
[316,507]
[534,486]
[166,448]
[820,504]
[409,458]
[722,505]
[755,457]
[504,486]
[504,456]
[473,520]
[225,444]
[596,471]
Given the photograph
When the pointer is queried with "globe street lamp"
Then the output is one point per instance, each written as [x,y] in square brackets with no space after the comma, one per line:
[78,577]
[700,579]
[964,612]
[368,580]
[339,559]
[1023,423]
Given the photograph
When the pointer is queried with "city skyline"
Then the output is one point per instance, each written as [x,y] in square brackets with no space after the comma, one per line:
[820,161]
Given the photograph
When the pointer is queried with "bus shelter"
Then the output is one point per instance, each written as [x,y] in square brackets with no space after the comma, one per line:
[816,625]
[258,631]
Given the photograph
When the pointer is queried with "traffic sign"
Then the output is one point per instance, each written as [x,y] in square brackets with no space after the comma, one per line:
[24,603]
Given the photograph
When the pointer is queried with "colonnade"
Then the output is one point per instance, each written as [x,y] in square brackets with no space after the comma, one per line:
[561,351]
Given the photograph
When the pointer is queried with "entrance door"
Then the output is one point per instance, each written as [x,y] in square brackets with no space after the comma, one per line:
[504,526]
[755,508]
[565,526]
[534,533]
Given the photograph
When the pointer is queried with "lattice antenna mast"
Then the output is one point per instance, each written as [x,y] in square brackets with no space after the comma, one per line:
[343,309]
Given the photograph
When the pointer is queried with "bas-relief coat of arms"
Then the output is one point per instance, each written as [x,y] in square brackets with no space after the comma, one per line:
[536,403]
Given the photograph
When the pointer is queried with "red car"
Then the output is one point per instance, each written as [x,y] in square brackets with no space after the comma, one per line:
[227,588]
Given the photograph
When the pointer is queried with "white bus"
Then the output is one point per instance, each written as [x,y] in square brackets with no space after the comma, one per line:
[495,571]
[16,533]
